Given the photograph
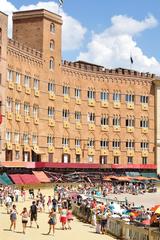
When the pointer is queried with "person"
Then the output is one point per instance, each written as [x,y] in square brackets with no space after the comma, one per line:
[54,204]
[8,203]
[13,217]
[63,217]
[25,216]
[16,193]
[69,218]
[33,214]
[52,221]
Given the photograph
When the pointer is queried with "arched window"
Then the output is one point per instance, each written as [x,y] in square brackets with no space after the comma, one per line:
[51,63]
[52,45]
[52,27]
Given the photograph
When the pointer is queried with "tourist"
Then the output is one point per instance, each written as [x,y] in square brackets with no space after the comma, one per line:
[63,217]
[25,216]
[13,217]
[49,203]
[52,221]
[33,214]
[69,218]
[16,193]
[8,203]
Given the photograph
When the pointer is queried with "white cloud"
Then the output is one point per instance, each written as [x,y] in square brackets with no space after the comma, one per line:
[112,47]
[72,31]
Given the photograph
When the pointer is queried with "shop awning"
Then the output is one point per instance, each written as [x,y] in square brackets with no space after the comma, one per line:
[149,174]
[29,179]
[41,176]
[16,178]
[13,164]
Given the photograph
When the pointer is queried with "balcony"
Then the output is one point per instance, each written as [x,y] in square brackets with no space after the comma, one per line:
[27,148]
[9,146]
[28,91]
[36,93]
[144,130]
[11,85]
[130,105]
[27,119]
[51,123]
[66,124]
[78,101]
[104,152]
[66,150]
[17,147]
[104,104]
[19,87]
[130,129]
[91,102]
[145,106]
[116,152]
[91,126]
[78,150]
[18,117]
[105,128]
[91,151]
[52,96]
[36,121]
[130,152]
[66,99]
[78,125]
[9,115]
[117,104]
[50,149]
[145,153]
[116,128]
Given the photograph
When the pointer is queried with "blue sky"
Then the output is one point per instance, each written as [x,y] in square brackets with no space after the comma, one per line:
[106,32]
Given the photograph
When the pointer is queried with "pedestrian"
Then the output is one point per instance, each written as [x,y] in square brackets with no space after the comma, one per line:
[69,218]
[25,216]
[33,214]
[63,217]
[52,221]
[13,217]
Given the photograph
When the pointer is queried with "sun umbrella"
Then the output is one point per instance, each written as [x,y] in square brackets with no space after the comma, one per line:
[156,208]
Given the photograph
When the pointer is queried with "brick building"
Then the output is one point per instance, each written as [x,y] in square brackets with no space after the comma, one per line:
[73,114]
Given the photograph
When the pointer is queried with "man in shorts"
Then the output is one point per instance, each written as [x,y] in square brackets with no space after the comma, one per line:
[33,214]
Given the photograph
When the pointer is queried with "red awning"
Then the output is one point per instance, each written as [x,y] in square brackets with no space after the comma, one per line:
[41,176]
[29,179]
[16,178]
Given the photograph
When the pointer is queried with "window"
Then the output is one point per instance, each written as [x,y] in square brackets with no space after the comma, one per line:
[52,45]
[130,160]
[51,87]
[26,138]
[91,143]
[77,143]
[91,117]
[27,80]
[18,78]
[26,109]
[50,112]
[116,144]
[66,90]
[65,142]
[129,98]
[77,92]
[10,75]
[17,107]
[78,158]
[144,123]
[51,63]
[144,99]
[90,158]
[104,143]
[144,145]
[116,96]
[9,104]
[34,139]
[144,160]
[16,137]
[130,144]
[8,136]
[130,122]
[116,120]
[91,94]
[65,114]
[104,119]
[103,160]
[78,116]
[17,155]
[52,27]
[116,160]
[50,140]
[104,95]
[50,157]
[35,111]
[36,84]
